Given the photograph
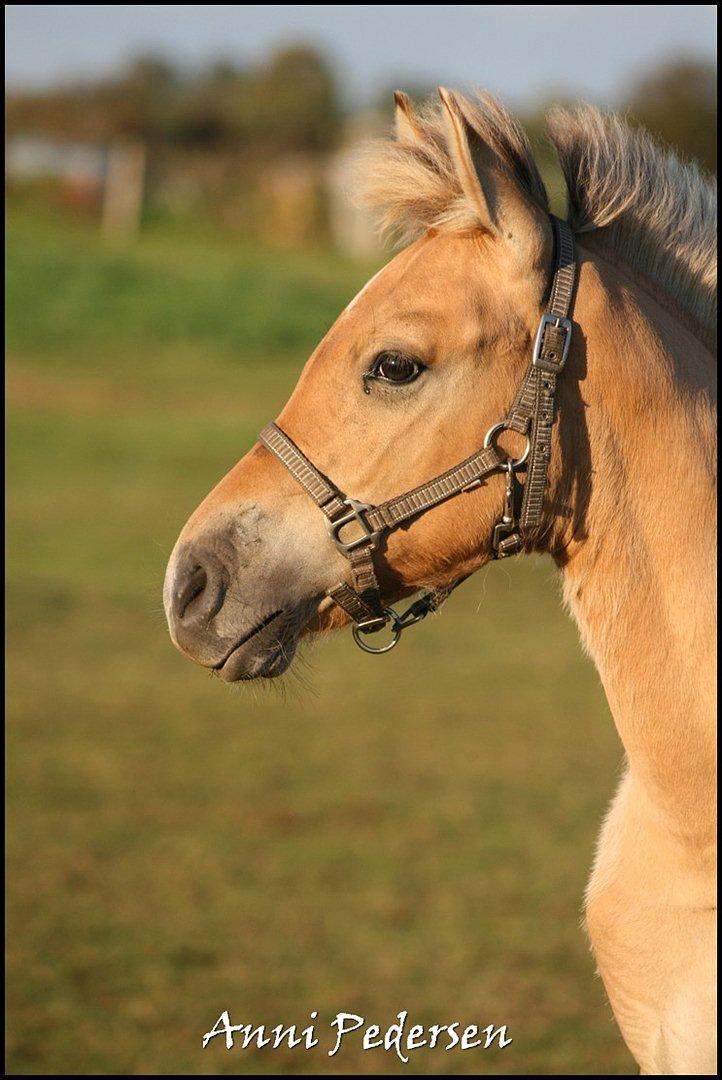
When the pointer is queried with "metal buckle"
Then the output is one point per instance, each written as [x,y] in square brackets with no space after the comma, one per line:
[560,323]
[356,512]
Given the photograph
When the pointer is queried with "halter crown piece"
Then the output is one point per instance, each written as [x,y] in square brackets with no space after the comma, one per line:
[531,414]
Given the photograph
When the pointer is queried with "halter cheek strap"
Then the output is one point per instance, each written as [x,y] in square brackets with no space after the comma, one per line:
[532,411]
[357,528]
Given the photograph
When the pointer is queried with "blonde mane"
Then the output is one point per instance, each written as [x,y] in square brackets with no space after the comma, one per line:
[638,205]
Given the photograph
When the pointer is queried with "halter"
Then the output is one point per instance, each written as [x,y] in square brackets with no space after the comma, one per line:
[531,415]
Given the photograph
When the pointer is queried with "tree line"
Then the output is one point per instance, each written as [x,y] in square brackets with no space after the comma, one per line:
[291,102]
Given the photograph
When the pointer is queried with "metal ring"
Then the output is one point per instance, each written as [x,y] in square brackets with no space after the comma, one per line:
[516,463]
[396,628]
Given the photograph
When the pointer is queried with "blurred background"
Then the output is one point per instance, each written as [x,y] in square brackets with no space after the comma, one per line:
[179,236]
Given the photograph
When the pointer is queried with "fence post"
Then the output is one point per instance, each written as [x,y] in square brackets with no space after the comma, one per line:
[123,192]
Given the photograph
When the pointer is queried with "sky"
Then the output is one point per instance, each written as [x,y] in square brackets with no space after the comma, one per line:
[520,52]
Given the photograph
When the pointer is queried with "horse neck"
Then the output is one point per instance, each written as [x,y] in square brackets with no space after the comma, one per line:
[636,435]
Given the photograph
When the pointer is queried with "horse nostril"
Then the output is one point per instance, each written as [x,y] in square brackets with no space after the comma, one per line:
[191,589]
[198,590]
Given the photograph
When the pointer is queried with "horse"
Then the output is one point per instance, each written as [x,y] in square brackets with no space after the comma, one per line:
[619,489]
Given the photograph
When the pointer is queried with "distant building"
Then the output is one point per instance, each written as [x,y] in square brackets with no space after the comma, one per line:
[94,174]
[78,167]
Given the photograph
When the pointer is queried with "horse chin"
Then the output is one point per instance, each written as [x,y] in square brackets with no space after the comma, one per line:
[269,652]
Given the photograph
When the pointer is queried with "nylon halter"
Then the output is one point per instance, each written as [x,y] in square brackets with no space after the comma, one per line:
[531,414]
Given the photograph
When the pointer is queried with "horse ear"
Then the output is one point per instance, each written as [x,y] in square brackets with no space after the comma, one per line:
[502,208]
[408,128]
[471,157]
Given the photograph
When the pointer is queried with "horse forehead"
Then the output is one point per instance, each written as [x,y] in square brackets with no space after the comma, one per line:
[409,271]
[362,292]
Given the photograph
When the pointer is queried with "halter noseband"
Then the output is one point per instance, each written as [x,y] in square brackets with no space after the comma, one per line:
[531,415]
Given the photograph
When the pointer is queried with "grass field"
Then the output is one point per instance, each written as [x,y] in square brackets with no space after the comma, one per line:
[177,847]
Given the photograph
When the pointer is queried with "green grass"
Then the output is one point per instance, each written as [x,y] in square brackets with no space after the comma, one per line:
[410,832]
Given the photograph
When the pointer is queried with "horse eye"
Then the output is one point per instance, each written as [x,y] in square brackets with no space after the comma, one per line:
[396,368]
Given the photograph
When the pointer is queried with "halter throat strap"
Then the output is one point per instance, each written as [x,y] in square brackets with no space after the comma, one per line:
[357,528]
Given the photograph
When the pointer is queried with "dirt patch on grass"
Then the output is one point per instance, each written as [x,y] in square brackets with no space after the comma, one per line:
[28,388]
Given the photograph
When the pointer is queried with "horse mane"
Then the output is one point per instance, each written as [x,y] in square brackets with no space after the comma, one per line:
[641,206]
[636,203]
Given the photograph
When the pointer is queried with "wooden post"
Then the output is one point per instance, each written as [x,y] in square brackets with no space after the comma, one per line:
[123,194]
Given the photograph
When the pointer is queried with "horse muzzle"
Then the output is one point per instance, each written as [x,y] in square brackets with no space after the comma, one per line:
[229,610]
